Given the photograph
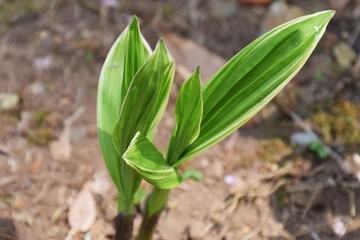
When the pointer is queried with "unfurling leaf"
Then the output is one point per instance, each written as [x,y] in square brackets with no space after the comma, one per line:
[126,56]
[143,156]
[143,107]
[188,113]
[254,76]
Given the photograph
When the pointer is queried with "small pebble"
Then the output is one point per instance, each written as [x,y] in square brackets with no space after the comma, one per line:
[302,138]
[230,180]
[109,3]
[43,63]
[344,54]
[338,227]
[37,88]
[9,101]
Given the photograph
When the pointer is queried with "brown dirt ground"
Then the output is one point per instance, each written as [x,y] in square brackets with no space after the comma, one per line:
[281,191]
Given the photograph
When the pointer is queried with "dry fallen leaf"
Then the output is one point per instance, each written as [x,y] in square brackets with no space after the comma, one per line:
[100,184]
[82,212]
[190,55]
[61,149]
[37,164]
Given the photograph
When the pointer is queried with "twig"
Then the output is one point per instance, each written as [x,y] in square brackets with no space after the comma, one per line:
[220,212]
[308,187]
[4,150]
[315,170]
[7,180]
[297,119]
[353,184]
[70,234]
[315,236]
[90,6]
[252,233]
[354,35]
[352,204]
[309,203]
[43,192]
[349,189]
[79,95]
[308,230]
[258,228]
[194,18]
[73,117]
[5,236]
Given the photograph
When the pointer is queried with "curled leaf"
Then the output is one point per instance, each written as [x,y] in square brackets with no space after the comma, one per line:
[143,156]
[143,107]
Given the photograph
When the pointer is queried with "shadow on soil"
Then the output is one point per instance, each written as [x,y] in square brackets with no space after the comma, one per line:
[316,203]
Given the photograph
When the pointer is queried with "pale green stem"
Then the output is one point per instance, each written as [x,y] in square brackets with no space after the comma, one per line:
[154,205]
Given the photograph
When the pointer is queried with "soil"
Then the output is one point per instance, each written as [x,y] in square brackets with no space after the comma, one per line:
[51,54]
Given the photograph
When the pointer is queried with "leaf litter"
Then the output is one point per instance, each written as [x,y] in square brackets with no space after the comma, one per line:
[82,212]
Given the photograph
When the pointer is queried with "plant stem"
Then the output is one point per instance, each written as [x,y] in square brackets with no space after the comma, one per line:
[154,205]
[125,219]
[124,226]
[148,226]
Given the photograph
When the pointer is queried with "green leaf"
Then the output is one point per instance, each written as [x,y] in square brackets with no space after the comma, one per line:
[188,113]
[319,148]
[150,164]
[192,174]
[126,56]
[139,196]
[254,76]
[143,107]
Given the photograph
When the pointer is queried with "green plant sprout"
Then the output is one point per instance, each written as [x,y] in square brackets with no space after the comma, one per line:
[133,92]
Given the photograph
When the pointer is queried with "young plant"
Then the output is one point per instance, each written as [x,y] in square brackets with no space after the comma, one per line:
[133,92]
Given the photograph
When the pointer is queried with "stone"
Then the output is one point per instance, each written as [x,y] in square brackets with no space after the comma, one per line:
[344,54]
[43,63]
[338,227]
[302,138]
[37,88]
[230,180]
[9,101]
[280,12]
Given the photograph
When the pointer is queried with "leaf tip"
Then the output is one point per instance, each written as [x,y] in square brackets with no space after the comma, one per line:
[161,44]
[162,49]
[329,13]
[326,15]
[134,23]
[197,70]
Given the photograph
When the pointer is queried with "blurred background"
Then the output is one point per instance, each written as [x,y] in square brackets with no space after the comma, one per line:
[292,172]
